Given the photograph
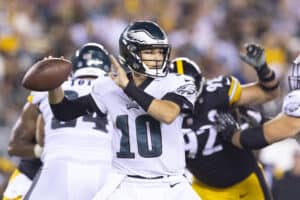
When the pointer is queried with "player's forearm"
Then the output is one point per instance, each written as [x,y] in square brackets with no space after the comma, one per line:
[281,127]
[56,96]
[163,110]
[67,109]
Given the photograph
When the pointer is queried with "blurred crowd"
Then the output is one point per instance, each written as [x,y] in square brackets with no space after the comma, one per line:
[211,32]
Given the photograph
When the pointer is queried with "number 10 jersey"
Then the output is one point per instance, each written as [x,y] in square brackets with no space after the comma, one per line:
[143,145]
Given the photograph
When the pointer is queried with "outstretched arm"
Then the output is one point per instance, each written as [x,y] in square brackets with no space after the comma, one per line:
[279,128]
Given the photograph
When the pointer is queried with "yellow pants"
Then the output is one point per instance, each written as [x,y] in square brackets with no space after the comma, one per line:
[248,189]
[17,186]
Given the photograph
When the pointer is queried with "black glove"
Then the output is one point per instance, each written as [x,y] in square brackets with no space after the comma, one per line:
[249,117]
[255,56]
[226,125]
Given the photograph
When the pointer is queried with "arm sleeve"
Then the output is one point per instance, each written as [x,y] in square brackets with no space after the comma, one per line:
[70,109]
[179,100]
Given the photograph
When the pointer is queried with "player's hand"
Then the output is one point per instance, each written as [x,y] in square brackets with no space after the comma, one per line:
[118,74]
[255,56]
[226,125]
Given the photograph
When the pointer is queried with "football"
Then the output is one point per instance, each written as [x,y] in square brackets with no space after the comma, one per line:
[47,74]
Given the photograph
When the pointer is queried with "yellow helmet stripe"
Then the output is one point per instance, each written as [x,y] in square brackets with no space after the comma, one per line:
[179,66]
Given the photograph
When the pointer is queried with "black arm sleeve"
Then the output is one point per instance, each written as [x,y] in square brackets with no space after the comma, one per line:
[179,100]
[70,109]
[253,138]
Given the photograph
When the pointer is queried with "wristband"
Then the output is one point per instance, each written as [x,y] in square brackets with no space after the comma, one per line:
[269,88]
[263,72]
[253,138]
[141,97]
[269,78]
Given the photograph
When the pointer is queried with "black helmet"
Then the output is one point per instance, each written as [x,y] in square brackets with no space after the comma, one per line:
[91,60]
[294,77]
[141,35]
[185,66]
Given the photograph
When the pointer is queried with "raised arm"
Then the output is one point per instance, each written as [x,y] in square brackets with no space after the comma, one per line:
[163,110]
[267,88]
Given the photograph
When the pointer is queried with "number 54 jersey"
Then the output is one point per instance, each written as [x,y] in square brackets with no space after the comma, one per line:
[211,160]
[143,145]
[85,138]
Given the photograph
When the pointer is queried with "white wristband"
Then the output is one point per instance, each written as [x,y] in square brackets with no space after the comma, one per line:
[37,150]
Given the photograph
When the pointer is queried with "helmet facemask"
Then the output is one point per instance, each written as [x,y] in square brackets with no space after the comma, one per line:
[294,78]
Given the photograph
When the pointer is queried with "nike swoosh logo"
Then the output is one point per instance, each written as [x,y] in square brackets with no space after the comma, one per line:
[172,185]
[243,195]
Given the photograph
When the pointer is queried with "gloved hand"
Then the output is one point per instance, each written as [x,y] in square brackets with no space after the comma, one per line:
[255,56]
[226,125]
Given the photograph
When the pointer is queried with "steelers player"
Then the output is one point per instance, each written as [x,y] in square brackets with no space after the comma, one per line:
[23,144]
[77,154]
[221,170]
[285,124]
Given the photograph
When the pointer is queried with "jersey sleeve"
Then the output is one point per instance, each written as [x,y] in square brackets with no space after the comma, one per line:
[98,94]
[183,92]
[291,104]
[36,97]
[234,92]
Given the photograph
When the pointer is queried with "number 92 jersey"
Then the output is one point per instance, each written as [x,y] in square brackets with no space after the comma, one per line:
[86,137]
[211,160]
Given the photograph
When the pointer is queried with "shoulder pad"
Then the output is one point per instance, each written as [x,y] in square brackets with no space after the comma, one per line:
[291,104]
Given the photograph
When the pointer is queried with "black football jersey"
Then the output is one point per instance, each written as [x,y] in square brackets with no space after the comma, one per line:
[210,159]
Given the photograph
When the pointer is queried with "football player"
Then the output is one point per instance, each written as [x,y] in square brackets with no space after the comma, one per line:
[145,106]
[23,144]
[77,153]
[285,124]
[221,170]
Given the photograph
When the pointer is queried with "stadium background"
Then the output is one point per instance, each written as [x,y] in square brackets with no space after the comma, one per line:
[210,32]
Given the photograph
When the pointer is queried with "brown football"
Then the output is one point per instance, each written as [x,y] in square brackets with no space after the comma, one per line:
[47,74]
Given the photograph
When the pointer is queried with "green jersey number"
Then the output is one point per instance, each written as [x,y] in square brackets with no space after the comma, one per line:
[148,134]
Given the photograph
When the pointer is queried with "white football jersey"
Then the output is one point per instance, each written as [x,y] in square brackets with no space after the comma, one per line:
[87,137]
[291,104]
[141,144]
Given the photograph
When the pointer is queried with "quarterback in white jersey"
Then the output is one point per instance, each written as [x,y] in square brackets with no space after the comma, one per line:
[145,107]
[77,153]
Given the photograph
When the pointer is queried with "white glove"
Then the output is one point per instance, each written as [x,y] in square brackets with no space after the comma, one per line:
[255,56]
[291,104]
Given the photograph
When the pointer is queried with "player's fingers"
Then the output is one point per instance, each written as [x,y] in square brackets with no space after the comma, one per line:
[115,64]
